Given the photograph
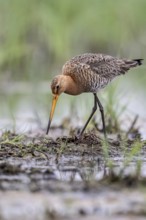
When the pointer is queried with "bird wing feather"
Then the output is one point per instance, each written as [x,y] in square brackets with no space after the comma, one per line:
[104,65]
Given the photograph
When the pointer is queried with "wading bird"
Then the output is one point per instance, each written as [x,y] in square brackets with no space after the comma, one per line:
[88,73]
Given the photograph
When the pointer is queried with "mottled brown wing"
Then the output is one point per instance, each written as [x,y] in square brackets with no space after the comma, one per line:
[107,66]
[104,65]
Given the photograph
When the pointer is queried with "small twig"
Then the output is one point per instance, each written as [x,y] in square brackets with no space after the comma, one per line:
[132,125]
[96,125]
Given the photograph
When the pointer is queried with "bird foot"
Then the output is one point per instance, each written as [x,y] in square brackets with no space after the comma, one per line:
[78,136]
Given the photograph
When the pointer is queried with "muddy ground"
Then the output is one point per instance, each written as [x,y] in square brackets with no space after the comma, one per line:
[66,178]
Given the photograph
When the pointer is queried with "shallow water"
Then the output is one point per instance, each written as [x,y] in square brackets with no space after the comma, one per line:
[69,187]
[68,168]
[23,109]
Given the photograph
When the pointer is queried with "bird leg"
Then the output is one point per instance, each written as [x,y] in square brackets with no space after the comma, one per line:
[102,114]
[96,101]
[91,115]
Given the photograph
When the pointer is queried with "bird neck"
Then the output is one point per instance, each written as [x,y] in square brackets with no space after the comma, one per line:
[70,86]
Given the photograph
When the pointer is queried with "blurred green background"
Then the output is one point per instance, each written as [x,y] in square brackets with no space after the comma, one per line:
[37,37]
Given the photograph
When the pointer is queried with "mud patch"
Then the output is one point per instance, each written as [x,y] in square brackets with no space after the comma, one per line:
[87,177]
[22,146]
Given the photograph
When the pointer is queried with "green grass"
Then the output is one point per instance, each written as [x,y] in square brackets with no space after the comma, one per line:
[114,109]
[37,37]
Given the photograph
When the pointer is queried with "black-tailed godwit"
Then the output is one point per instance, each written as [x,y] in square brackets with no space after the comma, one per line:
[88,73]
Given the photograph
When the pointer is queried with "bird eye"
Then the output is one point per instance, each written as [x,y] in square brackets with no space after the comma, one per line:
[56,88]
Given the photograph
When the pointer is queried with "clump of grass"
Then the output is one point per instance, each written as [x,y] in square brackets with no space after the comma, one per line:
[134,151]
[61,150]
[113,109]
[129,154]
[11,138]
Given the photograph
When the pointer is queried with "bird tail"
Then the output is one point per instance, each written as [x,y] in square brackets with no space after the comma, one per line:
[133,63]
[128,64]
[138,61]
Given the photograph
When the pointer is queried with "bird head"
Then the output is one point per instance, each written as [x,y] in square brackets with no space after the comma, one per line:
[57,87]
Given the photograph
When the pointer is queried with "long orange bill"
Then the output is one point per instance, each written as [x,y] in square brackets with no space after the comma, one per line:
[55,98]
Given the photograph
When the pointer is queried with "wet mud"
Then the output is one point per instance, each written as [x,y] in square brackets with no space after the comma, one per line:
[69,178]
